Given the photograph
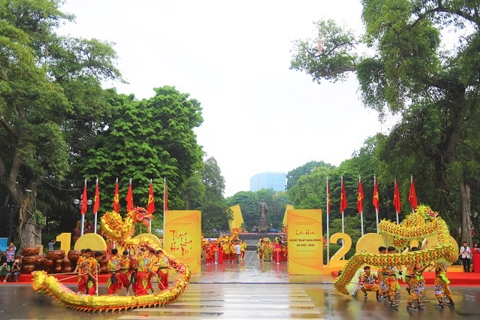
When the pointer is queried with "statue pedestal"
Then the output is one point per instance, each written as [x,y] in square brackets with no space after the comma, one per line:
[262,224]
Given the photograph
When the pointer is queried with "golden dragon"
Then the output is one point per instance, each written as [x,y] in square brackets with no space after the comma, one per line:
[120,231]
[416,226]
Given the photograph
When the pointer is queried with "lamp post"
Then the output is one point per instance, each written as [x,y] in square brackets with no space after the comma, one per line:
[78,203]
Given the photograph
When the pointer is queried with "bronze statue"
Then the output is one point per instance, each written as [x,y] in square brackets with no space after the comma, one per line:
[263,209]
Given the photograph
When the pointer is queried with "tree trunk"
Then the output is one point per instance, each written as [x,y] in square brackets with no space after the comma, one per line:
[29,232]
[465,226]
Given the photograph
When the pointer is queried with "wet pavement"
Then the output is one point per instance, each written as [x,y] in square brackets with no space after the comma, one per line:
[250,290]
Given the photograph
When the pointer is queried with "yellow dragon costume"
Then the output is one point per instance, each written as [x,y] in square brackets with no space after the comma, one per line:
[416,226]
[120,231]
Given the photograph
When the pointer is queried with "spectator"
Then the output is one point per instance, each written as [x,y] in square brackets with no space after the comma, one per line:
[476,249]
[466,255]
[4,271]
[50,245]
[10,254]
[15,271]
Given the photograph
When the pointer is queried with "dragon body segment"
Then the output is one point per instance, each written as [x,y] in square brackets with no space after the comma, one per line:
[417,226]
[43,283]
[119,231]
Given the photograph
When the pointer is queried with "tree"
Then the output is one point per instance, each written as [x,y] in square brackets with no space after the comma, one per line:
[410,73]
[43,83]
[295,174]
[215,211]
[143,140]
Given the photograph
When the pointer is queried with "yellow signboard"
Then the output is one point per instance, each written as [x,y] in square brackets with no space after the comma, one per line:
[237,221]
[285,216]
[305,247]
[182,237]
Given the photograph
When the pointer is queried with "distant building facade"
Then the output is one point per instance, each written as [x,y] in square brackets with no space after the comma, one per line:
[268,180]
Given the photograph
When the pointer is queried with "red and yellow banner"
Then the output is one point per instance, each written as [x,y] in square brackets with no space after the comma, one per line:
[182,237]
[305,247]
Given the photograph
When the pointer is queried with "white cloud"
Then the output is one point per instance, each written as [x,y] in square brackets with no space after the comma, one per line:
[233,56]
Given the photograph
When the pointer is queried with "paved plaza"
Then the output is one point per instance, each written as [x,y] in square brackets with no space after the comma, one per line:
[249,290]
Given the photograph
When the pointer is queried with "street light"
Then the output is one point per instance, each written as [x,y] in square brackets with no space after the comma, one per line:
[78,203]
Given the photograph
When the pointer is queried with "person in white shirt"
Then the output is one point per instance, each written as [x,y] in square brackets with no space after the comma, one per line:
[238,251]
[465,255]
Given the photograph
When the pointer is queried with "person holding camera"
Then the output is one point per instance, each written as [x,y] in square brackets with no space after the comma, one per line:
[15,271]
[4,271]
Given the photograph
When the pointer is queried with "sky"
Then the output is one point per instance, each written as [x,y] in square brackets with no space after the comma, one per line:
[234,57]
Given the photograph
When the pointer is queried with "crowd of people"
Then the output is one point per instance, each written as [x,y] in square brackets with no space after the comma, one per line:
[275,250]
[127,271]
[11,267]
[385,282]
[231,249]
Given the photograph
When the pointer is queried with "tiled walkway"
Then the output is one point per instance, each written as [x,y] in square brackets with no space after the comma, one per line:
[254,271]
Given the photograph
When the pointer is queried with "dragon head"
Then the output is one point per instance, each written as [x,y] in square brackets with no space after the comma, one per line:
[140,215]
[426,212]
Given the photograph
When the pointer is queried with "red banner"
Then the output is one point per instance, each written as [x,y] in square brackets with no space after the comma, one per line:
[376,196]
[116,199]
[151,200]
[412,196]
[360,197]
[343,198]
[396,199]
[84,199]
[96,204]
[130,197]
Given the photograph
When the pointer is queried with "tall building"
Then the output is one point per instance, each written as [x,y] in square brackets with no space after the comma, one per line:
[268,180]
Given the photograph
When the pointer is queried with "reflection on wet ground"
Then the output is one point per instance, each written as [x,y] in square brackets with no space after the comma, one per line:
[249,290]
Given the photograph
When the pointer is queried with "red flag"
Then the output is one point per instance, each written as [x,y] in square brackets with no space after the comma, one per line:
[116,200]
[360,197]
[84,199]
[151,200]
[396,198]
[329,198]
[376,196]
[129,197]
[96,204]
[412,196]
[165,195]
[343,198]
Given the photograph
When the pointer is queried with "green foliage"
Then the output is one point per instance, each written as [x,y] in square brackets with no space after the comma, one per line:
[337,57]
[295,174]
[143,140]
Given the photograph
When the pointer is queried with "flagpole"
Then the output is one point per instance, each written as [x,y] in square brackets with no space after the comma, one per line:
[376,210]
[83,214]
[164,211]
[328,227]
[411,181]
[343,217]
[95,213]
[150,222]
[396,212]
[361,213]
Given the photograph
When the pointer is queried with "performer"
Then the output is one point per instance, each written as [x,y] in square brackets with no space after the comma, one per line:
[368,281]
[243,249]
[125,271]
[382,290]
[220,252]
[416,284]
[391,280]
[226,252]
[81,270]
[440,285]
[93,267]
[113,266]
[143,273]
[162,270]
[260,249]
